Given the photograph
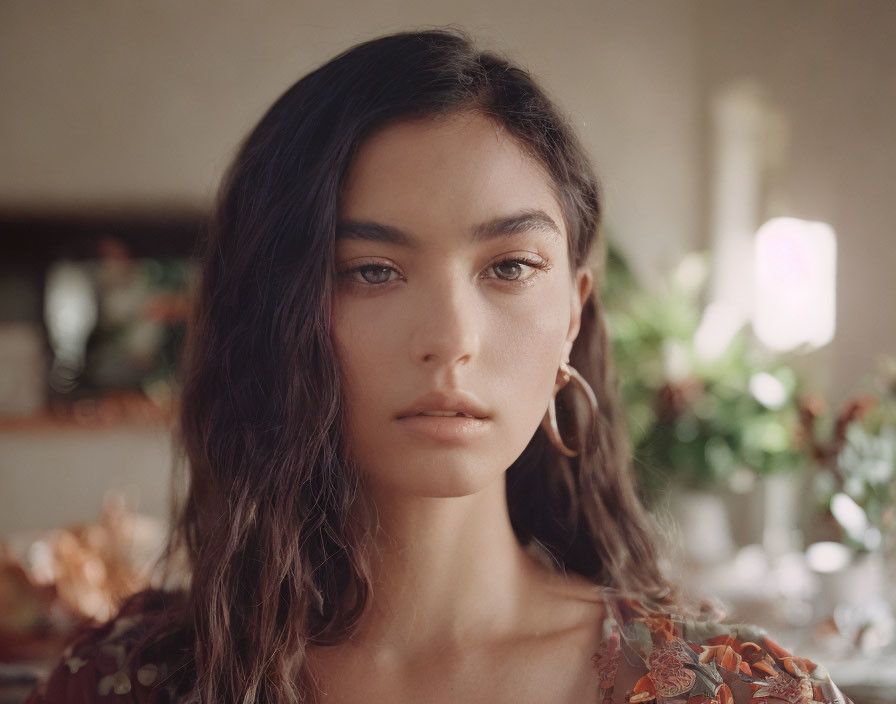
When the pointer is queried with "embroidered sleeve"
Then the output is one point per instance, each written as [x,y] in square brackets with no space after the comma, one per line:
[95,669]
[651,657]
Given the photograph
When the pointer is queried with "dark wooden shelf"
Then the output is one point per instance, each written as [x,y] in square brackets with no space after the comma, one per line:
[89,414]
[32,238]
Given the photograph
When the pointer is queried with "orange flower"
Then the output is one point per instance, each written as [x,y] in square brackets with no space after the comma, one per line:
[775,649]
[726,639]
[723,694]
[725,656]
[657,623]
[643,691]
[754,658]
[659,626]
[752,652]
[798,666]
[764,666]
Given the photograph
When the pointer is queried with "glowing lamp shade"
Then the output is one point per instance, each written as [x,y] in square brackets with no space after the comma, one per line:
[796,272]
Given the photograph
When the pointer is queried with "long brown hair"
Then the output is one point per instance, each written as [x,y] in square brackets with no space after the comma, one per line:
[268,520]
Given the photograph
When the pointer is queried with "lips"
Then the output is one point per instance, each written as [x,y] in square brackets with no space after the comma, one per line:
[451,429]
[446,414]
[451,403]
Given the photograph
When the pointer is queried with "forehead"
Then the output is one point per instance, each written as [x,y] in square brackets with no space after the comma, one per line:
[456,171]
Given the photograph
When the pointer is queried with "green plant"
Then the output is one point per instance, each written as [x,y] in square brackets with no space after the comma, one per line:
[855,459]
[706,406]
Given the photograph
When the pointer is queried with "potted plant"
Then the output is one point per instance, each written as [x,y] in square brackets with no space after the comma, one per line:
[709,411]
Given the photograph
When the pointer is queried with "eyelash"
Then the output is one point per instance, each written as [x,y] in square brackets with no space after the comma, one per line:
[538,265]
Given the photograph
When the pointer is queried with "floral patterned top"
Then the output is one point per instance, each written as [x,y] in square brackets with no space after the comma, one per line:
[651,656]
[647,657]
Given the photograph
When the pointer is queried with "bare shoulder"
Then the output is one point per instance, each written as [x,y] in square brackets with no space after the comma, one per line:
[573,607]
[570,631]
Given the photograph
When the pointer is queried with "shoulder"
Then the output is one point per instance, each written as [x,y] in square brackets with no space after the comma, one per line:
[105,663]
[653,653]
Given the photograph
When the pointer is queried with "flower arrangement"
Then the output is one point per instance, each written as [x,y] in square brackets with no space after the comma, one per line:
[53,582]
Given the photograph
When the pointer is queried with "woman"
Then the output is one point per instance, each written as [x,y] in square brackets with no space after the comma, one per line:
[382,506]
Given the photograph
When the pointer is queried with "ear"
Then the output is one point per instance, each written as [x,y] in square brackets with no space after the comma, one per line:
[584,280]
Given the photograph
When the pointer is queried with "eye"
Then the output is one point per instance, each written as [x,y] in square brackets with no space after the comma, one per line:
[513,270]
[370,274]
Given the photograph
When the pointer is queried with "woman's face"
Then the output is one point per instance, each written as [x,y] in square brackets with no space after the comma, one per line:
[454,279]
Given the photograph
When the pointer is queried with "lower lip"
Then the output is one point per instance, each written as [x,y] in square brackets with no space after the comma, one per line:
[449,428]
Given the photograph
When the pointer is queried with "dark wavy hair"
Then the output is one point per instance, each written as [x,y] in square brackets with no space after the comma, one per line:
[268,523]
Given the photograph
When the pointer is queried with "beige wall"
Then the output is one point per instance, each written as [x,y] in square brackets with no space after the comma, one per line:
[831,67]
[110,103]
[56,478]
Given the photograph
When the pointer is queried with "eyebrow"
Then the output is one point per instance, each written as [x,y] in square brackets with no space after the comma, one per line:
[519,223]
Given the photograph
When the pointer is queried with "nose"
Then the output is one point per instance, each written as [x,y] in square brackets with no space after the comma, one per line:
[446,324]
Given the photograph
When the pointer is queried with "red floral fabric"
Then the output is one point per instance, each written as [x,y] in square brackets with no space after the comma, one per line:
[651,657]
[96,668]
[647,657]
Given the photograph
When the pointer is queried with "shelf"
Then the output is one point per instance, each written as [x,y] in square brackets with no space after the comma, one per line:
[110,411]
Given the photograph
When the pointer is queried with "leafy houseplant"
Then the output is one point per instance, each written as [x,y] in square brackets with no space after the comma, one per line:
[704,418]
[854,454]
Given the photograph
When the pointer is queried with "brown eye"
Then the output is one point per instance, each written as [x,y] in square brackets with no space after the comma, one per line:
[374,274]
[370,275]
[513,271]
[512,268]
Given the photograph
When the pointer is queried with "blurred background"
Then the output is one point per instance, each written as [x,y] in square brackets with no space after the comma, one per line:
[746,152]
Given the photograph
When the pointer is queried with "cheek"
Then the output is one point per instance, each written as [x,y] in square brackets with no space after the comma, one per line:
[529,339]
[364,345]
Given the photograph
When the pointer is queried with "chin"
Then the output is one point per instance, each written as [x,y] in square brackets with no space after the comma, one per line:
[443,478]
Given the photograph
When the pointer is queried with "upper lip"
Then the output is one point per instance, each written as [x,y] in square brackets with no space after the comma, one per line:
[446,401]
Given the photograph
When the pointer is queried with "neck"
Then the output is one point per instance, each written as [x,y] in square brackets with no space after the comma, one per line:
[447,573]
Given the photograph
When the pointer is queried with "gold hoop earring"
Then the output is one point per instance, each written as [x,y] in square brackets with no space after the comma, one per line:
[566,374]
